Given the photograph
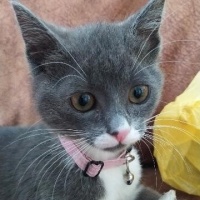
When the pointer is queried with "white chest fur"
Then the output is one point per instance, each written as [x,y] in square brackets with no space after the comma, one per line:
[115,186]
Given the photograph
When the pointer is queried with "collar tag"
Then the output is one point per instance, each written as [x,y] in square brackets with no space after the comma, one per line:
[128,176]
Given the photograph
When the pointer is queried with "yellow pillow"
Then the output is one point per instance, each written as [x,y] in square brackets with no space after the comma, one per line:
[177,140]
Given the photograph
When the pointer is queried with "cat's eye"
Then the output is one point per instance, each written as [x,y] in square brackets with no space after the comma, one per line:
[138,94]
[83,102]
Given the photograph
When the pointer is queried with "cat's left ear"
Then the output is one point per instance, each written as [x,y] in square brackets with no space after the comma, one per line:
[40,41]
[145,24]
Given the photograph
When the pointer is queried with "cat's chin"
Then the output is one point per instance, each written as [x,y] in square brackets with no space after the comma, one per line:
[115,148]
[107,153]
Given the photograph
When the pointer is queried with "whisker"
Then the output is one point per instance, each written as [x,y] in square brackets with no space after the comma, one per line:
[164,141]
[154,116]
[63,63]
[27,137]
[32,150]
[67,174]
[167,43]
[74,60]
[67,76]
[178,129]
[82,150]
[20,180]
[145,42]
[54,187]
[154,163]
[168,119]
[50,151]
[78,133]
[61,154]
[140,148]
[51,164]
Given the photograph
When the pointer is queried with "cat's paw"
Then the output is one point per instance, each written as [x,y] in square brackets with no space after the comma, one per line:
[171,195]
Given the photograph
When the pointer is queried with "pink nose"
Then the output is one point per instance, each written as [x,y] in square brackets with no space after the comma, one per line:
[121,135]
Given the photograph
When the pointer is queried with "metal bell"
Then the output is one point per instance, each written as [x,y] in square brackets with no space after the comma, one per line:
[128,177]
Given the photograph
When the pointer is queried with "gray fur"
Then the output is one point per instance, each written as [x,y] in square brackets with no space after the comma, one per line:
[98,58]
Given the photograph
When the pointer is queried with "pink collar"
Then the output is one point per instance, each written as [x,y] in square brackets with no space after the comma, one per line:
[88,166]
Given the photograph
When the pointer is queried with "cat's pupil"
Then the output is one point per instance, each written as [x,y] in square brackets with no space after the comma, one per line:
[82,102]
[138,92]
[84,99]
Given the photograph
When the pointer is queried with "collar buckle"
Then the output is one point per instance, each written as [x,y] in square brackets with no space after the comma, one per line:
[93,162]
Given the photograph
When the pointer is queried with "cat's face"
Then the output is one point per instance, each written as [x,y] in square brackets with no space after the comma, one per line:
[97,84]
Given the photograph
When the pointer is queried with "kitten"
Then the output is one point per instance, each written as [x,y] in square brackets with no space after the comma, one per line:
[95,87]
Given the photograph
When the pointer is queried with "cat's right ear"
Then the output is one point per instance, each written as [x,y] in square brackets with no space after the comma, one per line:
[145,25]
[39,40]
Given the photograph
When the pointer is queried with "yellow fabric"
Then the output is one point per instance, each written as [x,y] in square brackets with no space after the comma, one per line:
[177,140]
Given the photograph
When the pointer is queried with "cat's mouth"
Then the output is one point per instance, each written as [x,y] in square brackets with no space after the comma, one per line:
[115,148]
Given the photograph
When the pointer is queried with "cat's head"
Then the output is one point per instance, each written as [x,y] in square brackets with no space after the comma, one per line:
[98,82]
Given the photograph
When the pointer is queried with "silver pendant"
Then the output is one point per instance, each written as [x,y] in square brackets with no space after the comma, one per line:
[128,176]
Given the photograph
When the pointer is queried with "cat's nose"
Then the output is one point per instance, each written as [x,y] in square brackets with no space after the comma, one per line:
[121,134]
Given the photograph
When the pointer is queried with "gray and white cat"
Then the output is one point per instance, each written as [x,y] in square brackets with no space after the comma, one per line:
[96,85]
